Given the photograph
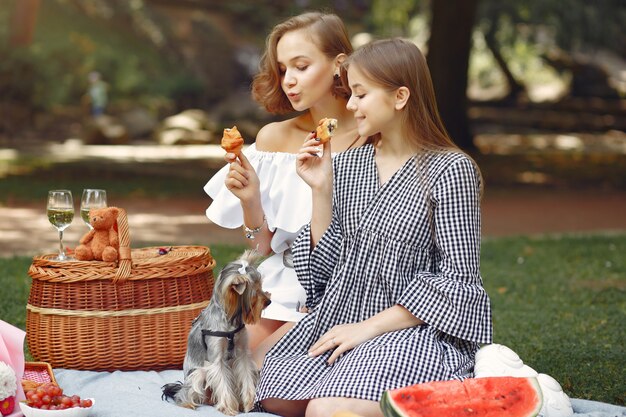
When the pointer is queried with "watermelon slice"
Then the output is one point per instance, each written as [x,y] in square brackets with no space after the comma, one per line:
[484,397]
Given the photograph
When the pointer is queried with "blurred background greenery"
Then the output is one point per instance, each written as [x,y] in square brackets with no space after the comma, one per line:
[160,58]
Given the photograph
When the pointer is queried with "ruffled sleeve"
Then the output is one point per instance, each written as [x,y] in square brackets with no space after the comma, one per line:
[452,299]
[285,197]
[315,267]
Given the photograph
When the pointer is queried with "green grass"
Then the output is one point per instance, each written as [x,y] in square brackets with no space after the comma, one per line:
[121,181]
[557,301]
[560,304]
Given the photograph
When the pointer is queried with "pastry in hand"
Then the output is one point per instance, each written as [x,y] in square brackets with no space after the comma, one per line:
[232,142]
[325,129]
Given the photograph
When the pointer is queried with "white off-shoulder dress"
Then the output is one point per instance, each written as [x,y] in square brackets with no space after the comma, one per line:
[286,201]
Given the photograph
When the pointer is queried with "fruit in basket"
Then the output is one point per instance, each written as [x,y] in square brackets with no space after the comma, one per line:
[27,384]
[49,396]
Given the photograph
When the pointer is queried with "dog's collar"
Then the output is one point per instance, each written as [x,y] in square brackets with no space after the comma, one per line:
[228,335]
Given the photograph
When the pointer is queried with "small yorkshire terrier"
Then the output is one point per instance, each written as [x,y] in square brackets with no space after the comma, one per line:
[218,368]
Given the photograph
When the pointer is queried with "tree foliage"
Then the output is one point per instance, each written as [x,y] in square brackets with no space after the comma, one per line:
[560,30]
[194,52]
[571,24]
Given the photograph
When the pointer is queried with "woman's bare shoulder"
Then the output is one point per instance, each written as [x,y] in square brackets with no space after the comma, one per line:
[283,136]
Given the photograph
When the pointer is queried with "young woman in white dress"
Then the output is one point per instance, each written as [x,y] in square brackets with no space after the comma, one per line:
[259,189]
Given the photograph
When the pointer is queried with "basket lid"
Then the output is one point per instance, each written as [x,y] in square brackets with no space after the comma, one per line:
[145,263]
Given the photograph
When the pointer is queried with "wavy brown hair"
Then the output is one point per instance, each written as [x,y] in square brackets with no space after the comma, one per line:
[327,31]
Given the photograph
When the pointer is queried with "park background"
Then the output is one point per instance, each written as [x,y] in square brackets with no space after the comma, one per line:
[534,90]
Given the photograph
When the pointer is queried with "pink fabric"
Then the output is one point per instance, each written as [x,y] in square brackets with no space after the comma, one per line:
[12,353]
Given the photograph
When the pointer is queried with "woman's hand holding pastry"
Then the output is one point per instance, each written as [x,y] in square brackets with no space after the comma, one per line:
[342,338]
[314,169]
[241,179]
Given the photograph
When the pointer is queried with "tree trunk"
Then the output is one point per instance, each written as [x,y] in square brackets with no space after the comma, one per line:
[516,88]
[23,22]
[448,59]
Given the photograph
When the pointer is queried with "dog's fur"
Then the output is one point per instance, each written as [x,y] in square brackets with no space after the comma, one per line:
[214,375]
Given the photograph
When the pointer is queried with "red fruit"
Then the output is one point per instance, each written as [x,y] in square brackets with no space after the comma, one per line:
[86,403]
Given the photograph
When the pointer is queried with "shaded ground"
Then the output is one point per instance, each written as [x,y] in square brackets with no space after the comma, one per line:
[25,229]
[534,193]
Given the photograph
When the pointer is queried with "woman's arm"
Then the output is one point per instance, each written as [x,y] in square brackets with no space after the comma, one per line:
[451,297]
[344,337]
[316,171]
[243,182]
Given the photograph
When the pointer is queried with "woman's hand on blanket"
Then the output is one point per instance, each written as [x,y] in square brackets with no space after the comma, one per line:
[241,179]
[315,169]
[341,338]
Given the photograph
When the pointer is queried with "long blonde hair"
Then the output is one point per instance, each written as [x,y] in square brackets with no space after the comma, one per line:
[327,31]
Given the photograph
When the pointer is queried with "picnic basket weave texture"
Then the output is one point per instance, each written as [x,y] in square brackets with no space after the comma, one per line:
[134,314]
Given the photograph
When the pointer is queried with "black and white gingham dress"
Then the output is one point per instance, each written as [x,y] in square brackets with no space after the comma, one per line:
[415,241]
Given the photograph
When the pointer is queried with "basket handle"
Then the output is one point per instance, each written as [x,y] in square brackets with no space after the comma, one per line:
[124,254]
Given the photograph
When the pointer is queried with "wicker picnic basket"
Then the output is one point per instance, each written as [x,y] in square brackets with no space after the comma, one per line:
[133,314]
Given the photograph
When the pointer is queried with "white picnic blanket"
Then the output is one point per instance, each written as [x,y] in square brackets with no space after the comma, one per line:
[138,394]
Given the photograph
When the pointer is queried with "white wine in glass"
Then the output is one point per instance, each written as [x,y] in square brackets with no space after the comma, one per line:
[92,198]
[60,213]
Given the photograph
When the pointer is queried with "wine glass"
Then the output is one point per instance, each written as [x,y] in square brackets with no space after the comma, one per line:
[60,213]
[92,198]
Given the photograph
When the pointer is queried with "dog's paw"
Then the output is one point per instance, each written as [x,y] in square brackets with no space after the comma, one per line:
[247,399]
[247,406]
[224,409]
[191,406]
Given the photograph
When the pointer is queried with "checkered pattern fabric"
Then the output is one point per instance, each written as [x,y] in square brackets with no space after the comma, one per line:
[414,241]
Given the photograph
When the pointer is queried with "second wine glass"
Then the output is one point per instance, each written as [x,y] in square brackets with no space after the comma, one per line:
[92,198]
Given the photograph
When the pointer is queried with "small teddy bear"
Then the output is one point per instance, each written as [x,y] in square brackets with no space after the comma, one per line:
[102,242]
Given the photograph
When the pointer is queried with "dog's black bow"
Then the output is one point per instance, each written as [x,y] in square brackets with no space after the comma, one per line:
[228,335]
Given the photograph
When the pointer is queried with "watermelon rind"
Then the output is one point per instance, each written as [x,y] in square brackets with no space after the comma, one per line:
[390,408]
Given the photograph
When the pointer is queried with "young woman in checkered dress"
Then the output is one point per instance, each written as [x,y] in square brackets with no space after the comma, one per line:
[390,259]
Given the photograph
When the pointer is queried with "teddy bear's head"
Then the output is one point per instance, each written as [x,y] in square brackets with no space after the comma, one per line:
[103,218]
